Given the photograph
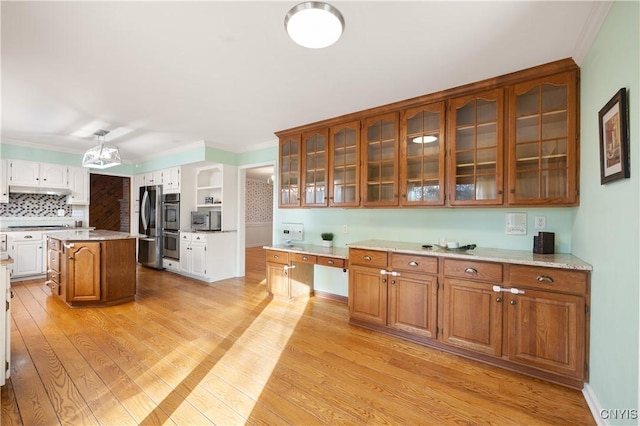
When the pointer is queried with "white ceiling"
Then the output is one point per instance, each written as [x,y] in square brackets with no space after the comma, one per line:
[164,75]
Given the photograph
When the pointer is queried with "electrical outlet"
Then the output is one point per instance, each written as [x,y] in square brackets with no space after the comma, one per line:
[345,229]
[541,222]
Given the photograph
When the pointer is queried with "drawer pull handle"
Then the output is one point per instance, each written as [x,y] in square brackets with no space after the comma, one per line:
[330,262]
[471,271]
[413,263]
[287,267]
[69,245]
[544,278]
[392,273]
[499,289]
[305,258]
[275,256]
[367,257]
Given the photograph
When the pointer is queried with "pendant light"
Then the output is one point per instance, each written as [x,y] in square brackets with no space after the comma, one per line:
[314,24]
[101,156]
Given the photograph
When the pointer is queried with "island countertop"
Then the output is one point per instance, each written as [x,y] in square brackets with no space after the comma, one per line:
[90,235]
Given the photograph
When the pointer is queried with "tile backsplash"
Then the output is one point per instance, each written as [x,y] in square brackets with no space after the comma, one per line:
[35,205]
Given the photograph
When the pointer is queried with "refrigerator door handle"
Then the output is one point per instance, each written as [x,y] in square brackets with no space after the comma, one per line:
[143,210]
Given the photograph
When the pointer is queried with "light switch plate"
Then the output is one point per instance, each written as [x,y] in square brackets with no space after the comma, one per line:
[516,224]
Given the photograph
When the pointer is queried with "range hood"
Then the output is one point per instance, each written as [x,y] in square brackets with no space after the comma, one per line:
[38,190]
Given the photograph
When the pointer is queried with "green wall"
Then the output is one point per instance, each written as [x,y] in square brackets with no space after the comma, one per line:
[606,229]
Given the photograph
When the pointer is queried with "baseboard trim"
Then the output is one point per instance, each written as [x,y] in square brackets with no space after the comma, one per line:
[331,296]
[594,405]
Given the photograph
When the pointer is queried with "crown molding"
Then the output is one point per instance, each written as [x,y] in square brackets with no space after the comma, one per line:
[590,30]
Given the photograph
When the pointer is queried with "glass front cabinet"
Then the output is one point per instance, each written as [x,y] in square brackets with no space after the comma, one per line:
[543,141]
[380,152]
[289,171]
[344,160]
[315,144]
[422,155]
[476,149]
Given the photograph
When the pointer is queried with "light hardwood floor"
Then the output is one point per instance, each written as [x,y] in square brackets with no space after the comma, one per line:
[191,353]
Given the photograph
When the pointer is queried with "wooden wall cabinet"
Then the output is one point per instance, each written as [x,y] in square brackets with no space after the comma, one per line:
[380,160]
[344,165]
[315,168]
[289,171]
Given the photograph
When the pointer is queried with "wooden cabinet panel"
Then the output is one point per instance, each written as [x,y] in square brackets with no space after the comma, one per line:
[315,167]
[83,270]
[367,295]
[303,258]
[277,280]
[422,155]
[413,304]
[472,316]
[547,331]
[481,271]
[550,279]
[371,258]
[413,263]
[276,256]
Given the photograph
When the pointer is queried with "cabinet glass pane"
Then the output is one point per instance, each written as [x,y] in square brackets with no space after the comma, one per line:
[289,173]
[486,111]
[413,149]
[465,138]
[466,115]
[554,125]
[553,97]
[528,103]
[344,165]
[487,136]
[486,187]
[414,168]
[381,158]
[465,188]
[527,184]
[350,175]
[554,147]
[528,128]
[315,173]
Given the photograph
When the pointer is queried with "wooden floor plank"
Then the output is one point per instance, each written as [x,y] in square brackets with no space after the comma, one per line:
[187,352]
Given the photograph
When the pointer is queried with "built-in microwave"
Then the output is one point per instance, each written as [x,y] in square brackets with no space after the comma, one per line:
[206,221]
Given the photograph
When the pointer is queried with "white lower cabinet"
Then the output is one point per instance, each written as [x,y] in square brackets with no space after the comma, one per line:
[28,253]
[208,256]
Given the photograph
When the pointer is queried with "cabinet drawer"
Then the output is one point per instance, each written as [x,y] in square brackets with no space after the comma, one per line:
[331,261]
[53,276]
[374,258]
[477,271]
[276,256]
[185,236]
[563,280]
[414,263]
[53,244]
[54,260]
[303,258]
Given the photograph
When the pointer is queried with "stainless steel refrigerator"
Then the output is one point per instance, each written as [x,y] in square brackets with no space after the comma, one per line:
[150,241]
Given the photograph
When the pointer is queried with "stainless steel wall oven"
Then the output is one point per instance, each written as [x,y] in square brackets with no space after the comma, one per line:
[171,226]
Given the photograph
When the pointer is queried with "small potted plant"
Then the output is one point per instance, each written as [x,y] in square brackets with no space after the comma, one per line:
[327,239]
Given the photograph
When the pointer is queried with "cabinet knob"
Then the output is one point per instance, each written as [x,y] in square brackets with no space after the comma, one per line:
[384,280]
[413,263]
[499,299]
[393,281]
[305,258]
[513,302]
[275,256]
[330,262]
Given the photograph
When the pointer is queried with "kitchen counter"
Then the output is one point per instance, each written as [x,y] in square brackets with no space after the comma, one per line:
[338,252]
[92,235]
[520,257]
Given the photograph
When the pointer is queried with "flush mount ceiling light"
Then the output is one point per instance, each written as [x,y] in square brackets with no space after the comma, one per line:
[425,139]
[101,156]
[314,24]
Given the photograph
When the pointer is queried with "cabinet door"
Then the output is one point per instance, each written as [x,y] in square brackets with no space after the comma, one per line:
[547,331]
[315,168]
[28,258]
[53,175]
[422,154]
[199,259]
[543,142]
[79,186]
[185,255]
[277,280]
[4,186]
[380,159]
[367,295]
[413,304]
[83,269]
[24,173]
[289,177]
[472,316]
[171,180]
[344,163]
[475,166]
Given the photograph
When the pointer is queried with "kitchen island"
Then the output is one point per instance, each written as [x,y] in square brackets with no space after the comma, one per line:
[91,267]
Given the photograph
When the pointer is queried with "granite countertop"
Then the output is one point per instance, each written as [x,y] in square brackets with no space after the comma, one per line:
[337,252]
[521,257]
[91,235]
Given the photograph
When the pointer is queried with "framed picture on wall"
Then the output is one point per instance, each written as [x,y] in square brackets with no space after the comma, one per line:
[614,139]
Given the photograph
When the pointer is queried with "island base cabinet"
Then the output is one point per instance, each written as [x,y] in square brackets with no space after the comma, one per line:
[120,276]
[83,272]
[472,316]
[547,331]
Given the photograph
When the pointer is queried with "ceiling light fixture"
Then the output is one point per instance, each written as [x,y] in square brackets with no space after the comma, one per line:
[314,24]
[101,156]
[425,139]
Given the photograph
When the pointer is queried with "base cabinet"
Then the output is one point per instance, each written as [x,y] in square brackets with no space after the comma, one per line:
[526,318]
[208,256]
[92,273]
[289,275]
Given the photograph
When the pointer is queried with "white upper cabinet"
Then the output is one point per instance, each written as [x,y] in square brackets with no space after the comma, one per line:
[31,173]
[4,187]
[79,185]
[171,180]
